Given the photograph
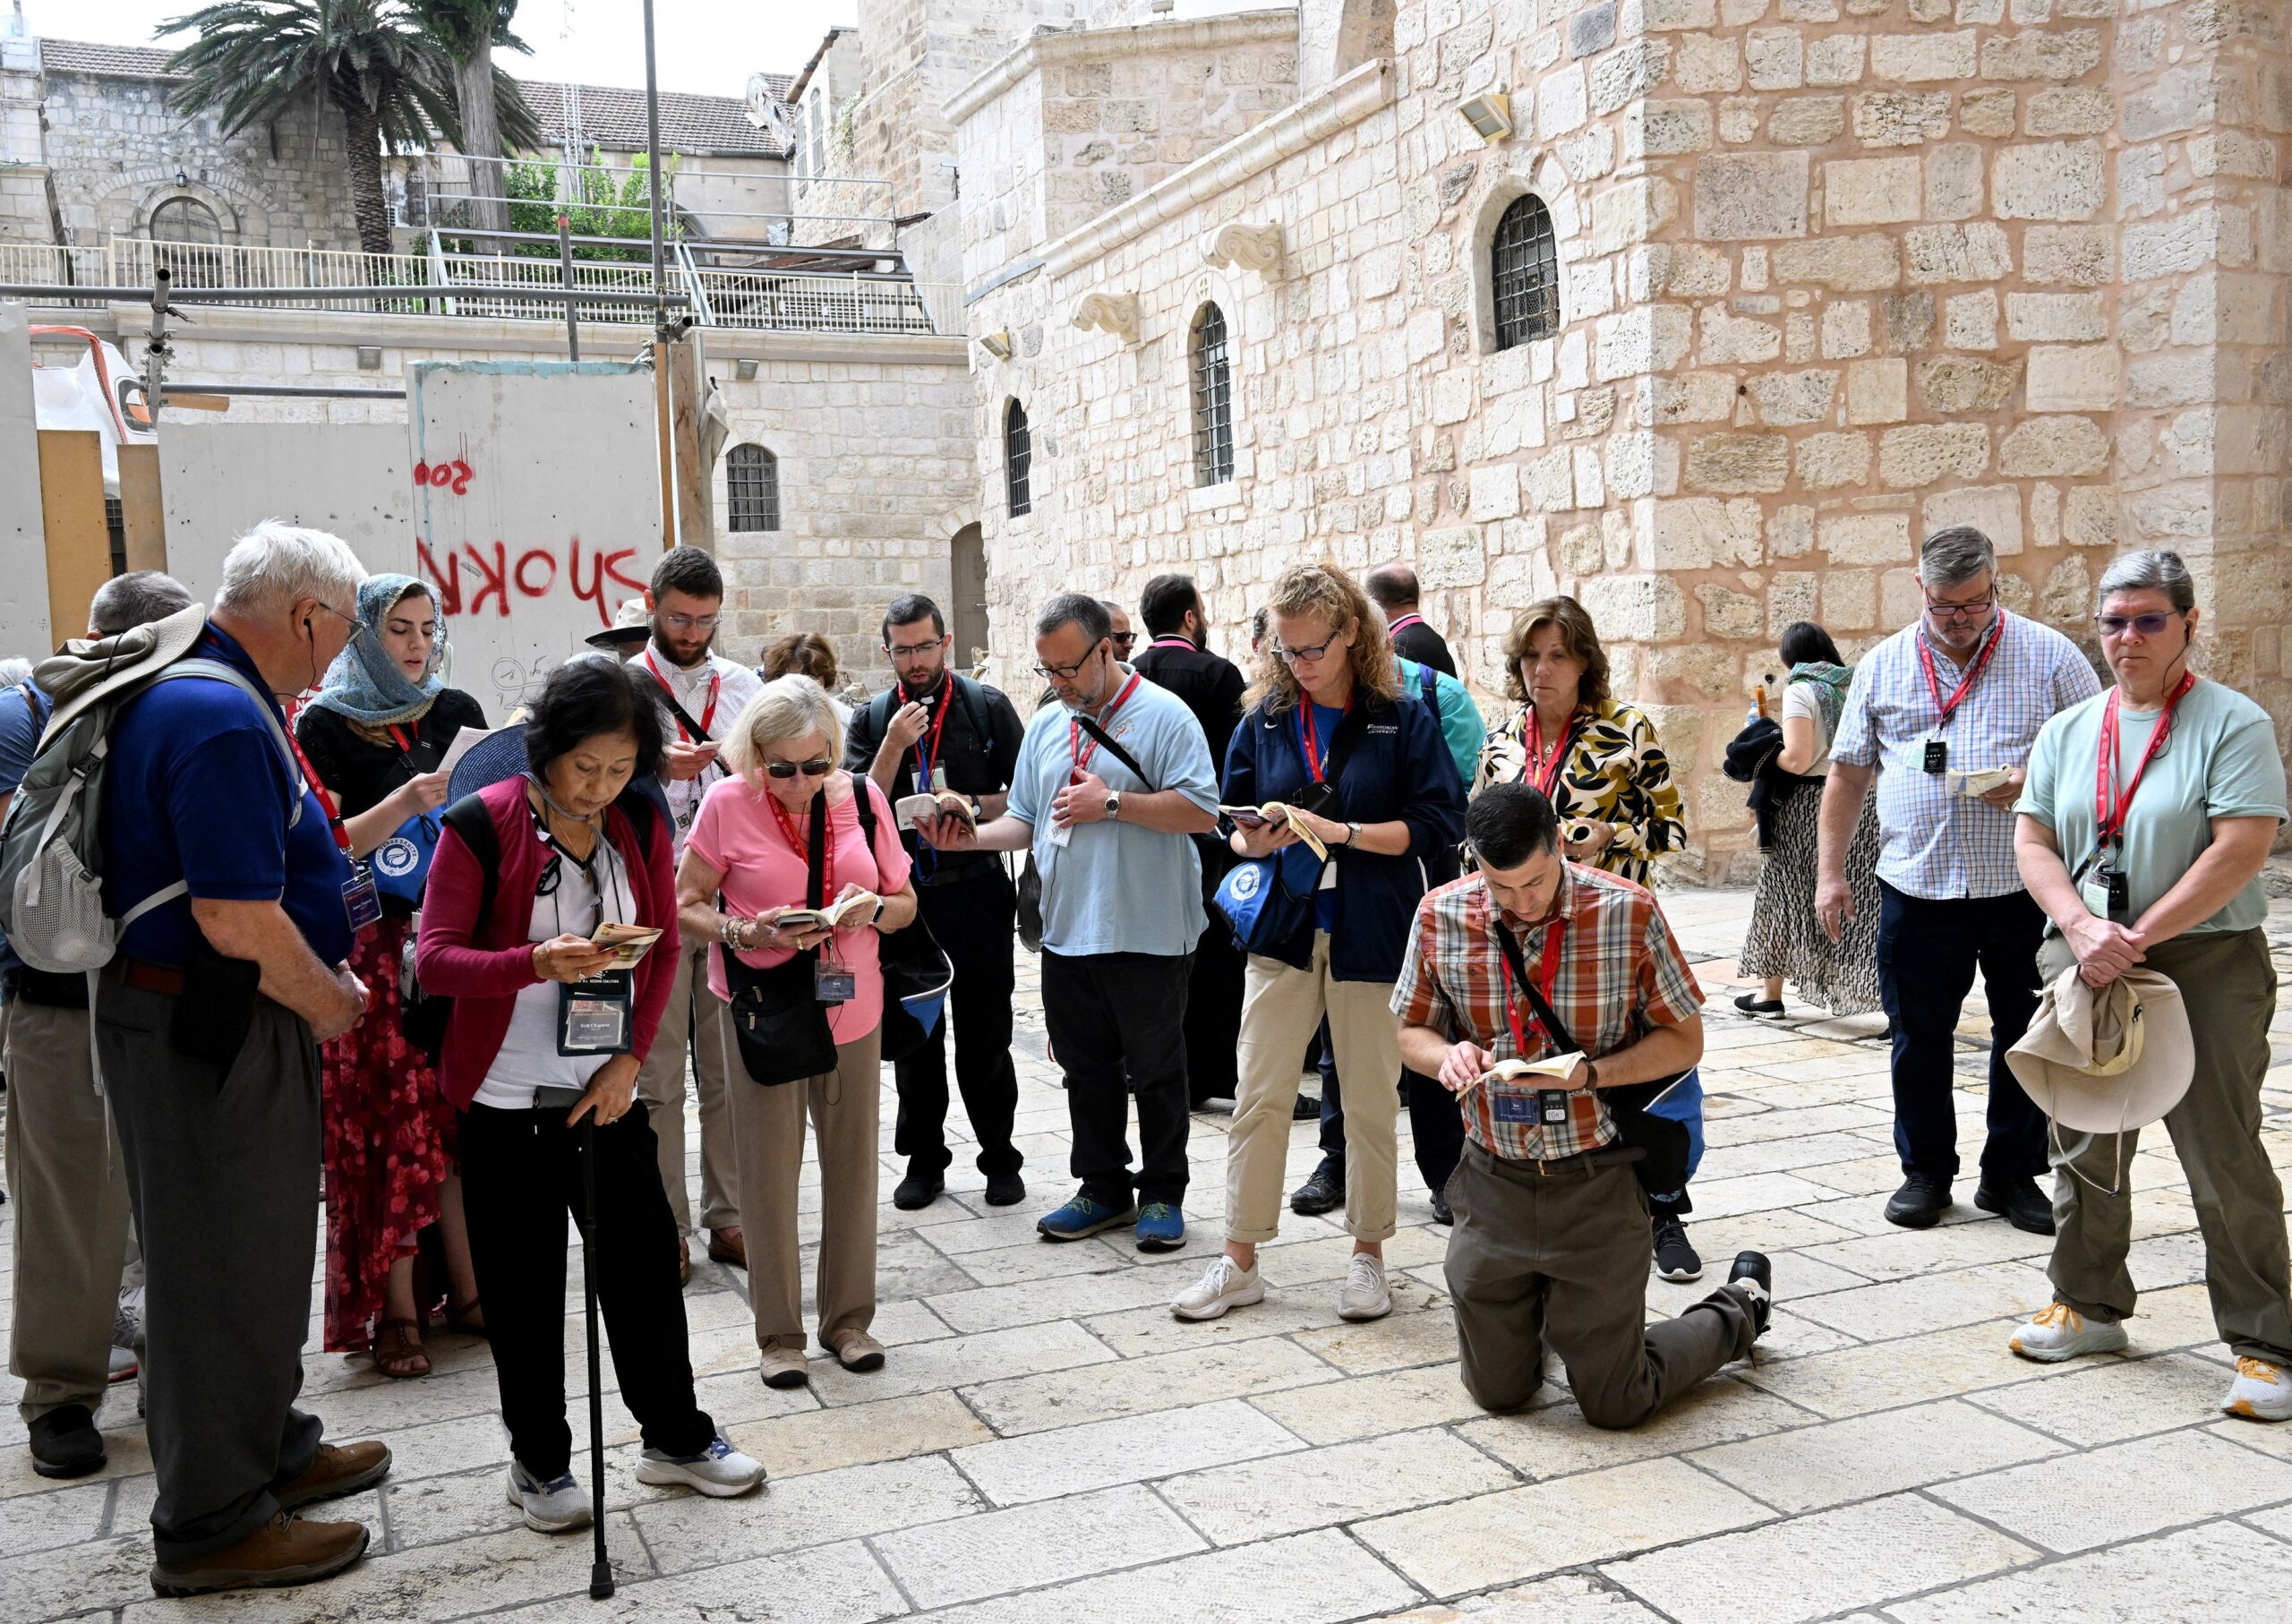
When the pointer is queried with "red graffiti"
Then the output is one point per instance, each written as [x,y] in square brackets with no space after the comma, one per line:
[453,475]
[534,575]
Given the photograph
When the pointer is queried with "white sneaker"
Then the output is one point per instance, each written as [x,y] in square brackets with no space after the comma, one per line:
[2259,1393]
[2060,1332]
[1365,1296]
[720,1471]
[1227,1284]
[125,1366]
[555,1507]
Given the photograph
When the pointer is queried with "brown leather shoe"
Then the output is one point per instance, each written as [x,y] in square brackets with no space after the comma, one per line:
[856,1350]
[729,1246]
[339,1469]
[285,1550]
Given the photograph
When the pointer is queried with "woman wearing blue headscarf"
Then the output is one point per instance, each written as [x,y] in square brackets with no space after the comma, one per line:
[373,739]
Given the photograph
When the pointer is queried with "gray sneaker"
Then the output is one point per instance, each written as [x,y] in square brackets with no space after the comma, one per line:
[1226,1284]
[559,1506]
[1366,1296]
[720,1471]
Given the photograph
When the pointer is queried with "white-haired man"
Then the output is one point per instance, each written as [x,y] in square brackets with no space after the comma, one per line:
[208,1023]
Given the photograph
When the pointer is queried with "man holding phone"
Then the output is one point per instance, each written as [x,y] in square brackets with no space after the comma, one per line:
[701,695]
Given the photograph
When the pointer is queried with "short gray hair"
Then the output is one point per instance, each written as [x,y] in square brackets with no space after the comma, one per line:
[2148,569]
[786,707]
[1080,609]
[137,598]
[1954,556]
[274,563]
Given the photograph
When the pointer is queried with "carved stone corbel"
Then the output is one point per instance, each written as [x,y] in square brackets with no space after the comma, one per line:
[1256,248]
[1116,313]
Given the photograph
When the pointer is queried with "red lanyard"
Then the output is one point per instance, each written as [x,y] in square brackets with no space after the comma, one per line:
[802,848]
[1175,641]
[927,758]
[1966,682]
[1544,772]
[709,716]
[2110,811]
[1316,759]
[1547,978]
[326,801]
[1083,752]
[1405,622]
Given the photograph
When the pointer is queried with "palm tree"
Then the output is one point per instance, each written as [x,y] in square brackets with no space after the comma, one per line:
[390,80]
[492,108]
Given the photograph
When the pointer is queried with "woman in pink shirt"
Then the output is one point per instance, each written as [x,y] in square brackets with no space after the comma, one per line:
[746,861]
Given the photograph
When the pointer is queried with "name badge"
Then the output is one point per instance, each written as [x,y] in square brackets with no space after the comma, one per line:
[361,902]
[2106,893]
[1937,756]
[1508,1104]
[834,983]
[593,1017]
[939,778]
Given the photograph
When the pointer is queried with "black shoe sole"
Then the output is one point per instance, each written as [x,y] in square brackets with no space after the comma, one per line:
[1008,1198]
[79,1465]
[240,1578]
[1989,1203]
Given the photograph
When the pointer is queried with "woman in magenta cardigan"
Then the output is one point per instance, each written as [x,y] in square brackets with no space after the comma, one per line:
[537,1018]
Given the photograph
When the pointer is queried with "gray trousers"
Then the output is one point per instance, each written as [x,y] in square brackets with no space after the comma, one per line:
[2229,987]
[223,1169]
[1562,1258]
[70,1190]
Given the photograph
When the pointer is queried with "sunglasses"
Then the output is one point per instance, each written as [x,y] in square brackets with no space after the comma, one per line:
[1123,640]
[2148,624]
[809,769]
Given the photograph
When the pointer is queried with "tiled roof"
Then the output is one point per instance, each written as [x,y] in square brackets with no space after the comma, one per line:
[612,117]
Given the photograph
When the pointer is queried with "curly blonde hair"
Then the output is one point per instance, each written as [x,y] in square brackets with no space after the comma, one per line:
[1328,592]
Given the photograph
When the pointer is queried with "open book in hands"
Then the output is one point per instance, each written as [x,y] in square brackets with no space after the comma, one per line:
[910,810]
[858,907]
[1555,1068]
[628,943]
[1275,812]
[1978,781]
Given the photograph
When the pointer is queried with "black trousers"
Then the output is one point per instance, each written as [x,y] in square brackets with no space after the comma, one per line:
[1927,953]
[1436,1126]
[975,921]
[222,1167]
[521,1175]
[1111,1017]
[1213,1015]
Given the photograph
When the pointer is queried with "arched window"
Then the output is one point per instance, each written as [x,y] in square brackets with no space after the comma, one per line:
[1018,460]
[1214,400]
[185,219]
[752,488]
[1524,271]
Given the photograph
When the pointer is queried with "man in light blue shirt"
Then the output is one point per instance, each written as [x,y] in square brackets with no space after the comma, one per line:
[1109,783]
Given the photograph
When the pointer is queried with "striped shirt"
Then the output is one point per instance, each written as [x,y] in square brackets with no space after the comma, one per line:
[1621,975]
[1933,844]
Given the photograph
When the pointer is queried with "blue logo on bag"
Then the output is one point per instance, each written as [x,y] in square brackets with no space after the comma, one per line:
[402,862]
[1246,881]
[398,858]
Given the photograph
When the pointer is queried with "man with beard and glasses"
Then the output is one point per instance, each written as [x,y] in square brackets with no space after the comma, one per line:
[1109,786]
[934,729]
[701,695]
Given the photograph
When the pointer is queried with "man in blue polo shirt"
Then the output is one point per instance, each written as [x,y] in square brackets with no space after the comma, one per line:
[206,1028]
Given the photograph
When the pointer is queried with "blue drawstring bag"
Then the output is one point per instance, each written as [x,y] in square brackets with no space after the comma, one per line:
[1682,1103]
[1268,899]
[402,862]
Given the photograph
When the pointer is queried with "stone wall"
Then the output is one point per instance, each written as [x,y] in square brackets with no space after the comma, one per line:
[24,211]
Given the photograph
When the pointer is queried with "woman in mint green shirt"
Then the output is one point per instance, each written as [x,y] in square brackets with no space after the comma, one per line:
[2147,814]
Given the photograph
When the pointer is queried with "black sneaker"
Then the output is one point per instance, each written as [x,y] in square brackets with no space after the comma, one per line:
[1441,1214]
[1005,1189]
[1675,1259]
[1755,1276]
[1322,1193]
[918,1190]
[1920,1204]
[1763,1009]
[1308,1108]
[65,1443]
[2018,1201]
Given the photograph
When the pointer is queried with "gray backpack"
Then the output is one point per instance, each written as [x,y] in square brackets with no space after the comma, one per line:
[51,853]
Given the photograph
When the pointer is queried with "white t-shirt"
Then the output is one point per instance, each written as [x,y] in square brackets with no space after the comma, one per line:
[528,1057]
[1799,700]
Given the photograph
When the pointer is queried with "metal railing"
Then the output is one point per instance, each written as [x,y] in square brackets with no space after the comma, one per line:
[856,303]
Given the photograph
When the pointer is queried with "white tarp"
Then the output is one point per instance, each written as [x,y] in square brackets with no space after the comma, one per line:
[220,480]
[23,534]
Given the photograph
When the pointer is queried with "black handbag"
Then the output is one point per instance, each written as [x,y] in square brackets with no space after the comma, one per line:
[778,1020]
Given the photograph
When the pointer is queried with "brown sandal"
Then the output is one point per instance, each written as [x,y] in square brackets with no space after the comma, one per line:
[467,1317]
[397,1349]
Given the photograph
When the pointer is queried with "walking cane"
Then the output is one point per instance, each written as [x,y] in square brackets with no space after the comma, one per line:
[601,1568]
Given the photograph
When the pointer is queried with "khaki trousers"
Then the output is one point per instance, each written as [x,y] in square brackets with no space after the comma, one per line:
[693,1010]
[2229,988]
[768,1153]
[68,1182]
[1562,1258]
[1281,1009]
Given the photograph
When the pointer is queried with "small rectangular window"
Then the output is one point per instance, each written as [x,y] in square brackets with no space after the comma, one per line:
[751,489]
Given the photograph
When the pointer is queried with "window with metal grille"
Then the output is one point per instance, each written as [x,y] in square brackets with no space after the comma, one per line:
[1214,400]
[1018,460]
[1524,272]
[752,488]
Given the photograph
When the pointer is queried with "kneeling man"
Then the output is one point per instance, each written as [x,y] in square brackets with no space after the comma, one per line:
[1550,1242]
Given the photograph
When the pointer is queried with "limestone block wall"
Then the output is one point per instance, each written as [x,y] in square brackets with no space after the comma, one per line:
[24,216]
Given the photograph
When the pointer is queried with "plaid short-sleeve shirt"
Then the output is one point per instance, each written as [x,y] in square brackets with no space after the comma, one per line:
[1621,975]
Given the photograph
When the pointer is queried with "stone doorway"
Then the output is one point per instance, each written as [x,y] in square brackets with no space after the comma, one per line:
[967,613]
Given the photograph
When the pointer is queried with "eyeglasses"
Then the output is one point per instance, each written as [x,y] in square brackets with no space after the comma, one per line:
[1962,611]
[2148,624]
[1066,673]
[908,651]
[690,622]
[1295,655]
[809,769]
[1123,640]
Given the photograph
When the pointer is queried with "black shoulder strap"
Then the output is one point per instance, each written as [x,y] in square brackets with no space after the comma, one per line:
[1554,1027]
[1107,742]
[982,714]
[1350,730]
[863,802]
[1432,681]
[879,710]
[683,716]
[469,819]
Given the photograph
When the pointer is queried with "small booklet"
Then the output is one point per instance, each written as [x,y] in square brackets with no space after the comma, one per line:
[1275,812]
[913,809]
[856,908]
[1978,781]
[1554,1066]
[630,943]
[460,748]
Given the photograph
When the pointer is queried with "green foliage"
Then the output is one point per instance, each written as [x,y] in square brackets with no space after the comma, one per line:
[602,205]
[254,60]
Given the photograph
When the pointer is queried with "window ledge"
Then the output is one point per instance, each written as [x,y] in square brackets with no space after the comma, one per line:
[1204,498]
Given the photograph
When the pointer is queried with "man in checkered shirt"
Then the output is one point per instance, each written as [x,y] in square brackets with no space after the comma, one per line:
[1965,688]
[1550,1242]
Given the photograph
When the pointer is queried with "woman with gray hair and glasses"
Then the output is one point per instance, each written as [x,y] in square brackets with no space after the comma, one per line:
[748,862]
[2148,815]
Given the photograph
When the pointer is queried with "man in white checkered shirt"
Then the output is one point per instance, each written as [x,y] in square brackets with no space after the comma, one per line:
[1963,692]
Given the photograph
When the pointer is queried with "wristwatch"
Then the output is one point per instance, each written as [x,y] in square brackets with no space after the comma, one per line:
[1353,835]
[1114,804]
[876,918]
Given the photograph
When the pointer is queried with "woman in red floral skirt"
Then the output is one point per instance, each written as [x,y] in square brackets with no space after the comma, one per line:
[373,739]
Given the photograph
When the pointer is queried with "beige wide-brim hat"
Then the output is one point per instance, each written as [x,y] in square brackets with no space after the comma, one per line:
[632,624]
[2107,1059]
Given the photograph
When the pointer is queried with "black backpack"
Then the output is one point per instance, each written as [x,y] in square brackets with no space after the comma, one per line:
[975,706]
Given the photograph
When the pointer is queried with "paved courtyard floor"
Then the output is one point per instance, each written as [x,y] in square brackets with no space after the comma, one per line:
[1046,1443]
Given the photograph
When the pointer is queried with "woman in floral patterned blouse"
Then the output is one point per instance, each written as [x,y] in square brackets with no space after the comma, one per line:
[1596,758]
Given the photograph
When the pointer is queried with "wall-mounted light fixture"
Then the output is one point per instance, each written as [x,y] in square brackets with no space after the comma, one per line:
[1490,115]
[182,179]
[744,368]
[996,344]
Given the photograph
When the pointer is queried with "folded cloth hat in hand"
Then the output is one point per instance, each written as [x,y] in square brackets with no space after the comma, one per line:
[2107,1059]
